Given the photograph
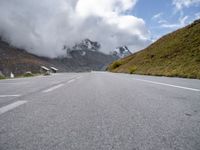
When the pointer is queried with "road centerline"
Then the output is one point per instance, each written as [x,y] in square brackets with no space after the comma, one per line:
[60,85]
[4,96]
[78,77]
[70,81]
[53,88]
[11,106]
[170,85]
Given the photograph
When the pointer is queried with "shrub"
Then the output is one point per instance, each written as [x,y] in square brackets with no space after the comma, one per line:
[2,77]
[28,74]
[132,69]
[116,64]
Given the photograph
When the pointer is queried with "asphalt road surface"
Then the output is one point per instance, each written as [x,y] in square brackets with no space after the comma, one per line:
[99,111]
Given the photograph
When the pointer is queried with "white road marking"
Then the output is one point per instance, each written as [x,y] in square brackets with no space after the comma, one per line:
[53,88]
[13,82]
[171,85]
[3,96]
[60,85]
[70,81]
[11,106]
[78,77]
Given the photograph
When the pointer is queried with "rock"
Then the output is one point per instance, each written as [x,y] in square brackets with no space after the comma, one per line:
[12,75]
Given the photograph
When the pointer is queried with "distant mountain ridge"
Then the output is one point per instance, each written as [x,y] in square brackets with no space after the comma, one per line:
[175,54]
[83,57]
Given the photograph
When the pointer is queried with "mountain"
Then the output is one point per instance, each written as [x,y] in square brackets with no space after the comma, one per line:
[121,52]
[176,54]
[87,44]
[82,48]
[82,57]
[18,61]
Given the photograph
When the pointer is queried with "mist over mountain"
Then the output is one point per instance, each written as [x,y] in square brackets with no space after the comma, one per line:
[45,27]
[84,56]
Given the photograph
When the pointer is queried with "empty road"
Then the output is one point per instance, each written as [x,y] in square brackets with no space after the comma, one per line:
[99,111]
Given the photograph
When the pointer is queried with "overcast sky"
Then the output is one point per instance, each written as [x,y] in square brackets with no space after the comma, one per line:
[43,27]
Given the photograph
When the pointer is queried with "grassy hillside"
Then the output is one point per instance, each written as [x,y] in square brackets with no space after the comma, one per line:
[176,54]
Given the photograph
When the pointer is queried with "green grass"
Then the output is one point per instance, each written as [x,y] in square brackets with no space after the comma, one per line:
[175,55]
[28,74]
[2,77]
[115,65]
[132,69]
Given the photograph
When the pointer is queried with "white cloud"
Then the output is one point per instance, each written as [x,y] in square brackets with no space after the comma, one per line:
[103,7]
[181,23]
[180,4]
[162,21]
[43,27]
[157,16]
[197,15]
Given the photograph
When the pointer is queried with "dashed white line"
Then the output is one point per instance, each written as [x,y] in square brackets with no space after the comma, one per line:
[53,88]
[3,96]
[10,83]
[78,77]
[60,85]
[11,106]
[171,85]
[70,81]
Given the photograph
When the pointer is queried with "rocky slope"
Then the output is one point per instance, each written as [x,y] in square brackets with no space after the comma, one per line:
[83,57]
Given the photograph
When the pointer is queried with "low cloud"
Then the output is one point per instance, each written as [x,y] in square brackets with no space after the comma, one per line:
[44,27]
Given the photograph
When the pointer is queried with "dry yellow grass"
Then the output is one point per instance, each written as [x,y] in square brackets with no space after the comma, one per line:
[176,54]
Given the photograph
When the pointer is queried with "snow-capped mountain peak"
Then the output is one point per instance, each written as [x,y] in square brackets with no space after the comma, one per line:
[87,45]
[122,51]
